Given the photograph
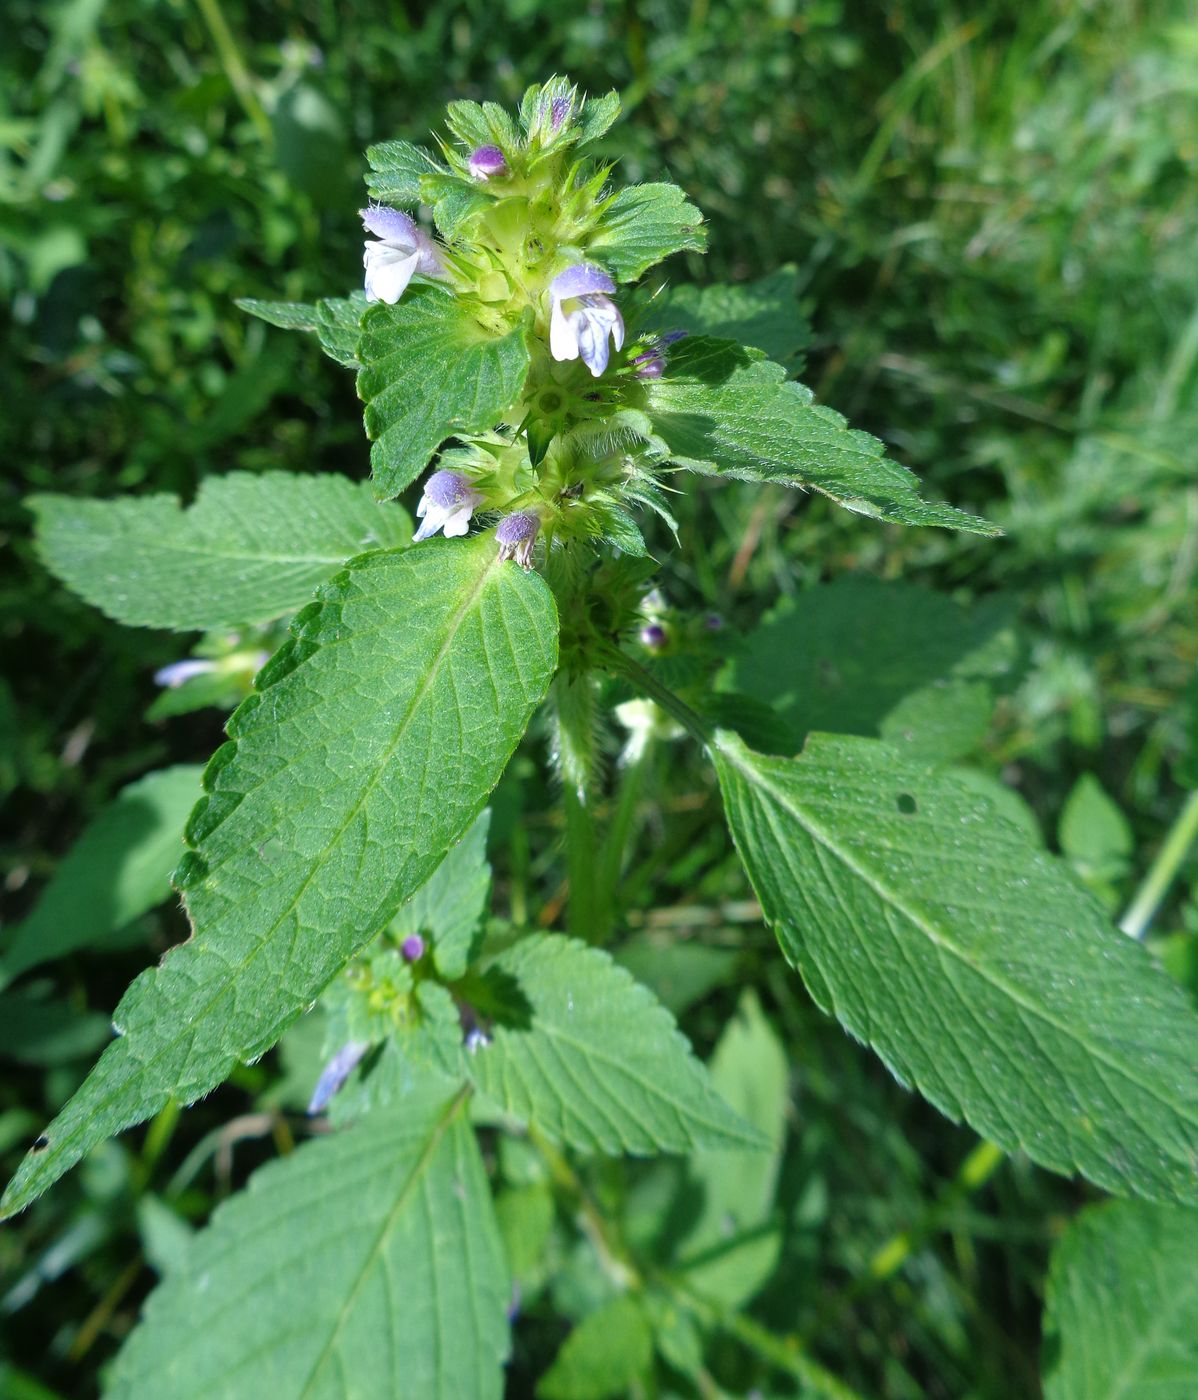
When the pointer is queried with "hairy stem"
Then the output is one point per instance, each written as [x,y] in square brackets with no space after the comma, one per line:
[574,709]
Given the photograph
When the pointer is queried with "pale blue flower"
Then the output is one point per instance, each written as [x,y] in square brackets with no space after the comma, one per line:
[334,1075]
[583,316]
[447,504]
[487,162]
[516,534]
[399,250]
[178,672]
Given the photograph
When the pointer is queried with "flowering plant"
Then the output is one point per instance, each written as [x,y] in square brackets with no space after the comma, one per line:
[516,351]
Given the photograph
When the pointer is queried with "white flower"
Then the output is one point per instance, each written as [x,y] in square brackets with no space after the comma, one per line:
[447,505]
[177,672]
[583,316]
[400,250]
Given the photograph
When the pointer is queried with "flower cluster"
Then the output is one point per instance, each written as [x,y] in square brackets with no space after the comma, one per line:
[522,225]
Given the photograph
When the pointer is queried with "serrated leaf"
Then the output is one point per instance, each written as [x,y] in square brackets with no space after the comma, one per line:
[396,169]
[119,868]
[599,114]
[429,370]
[369,748]
[970,960]
[287,315]
[860,656]
[448,908]
[250,548]
[365,1265]
[1121,1319]
[723,410]
[335,321]
[603,1356]
[643,224]
[588,1056]
[731,1245]
[764,314]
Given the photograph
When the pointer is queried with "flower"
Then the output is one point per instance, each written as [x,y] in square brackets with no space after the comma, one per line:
[335,1073]
[583,316]
[447,505]
[177,672]
[486,162]
[399,250]
[651,363]
[654,636]
[559,110]
[412,948]
[516,534]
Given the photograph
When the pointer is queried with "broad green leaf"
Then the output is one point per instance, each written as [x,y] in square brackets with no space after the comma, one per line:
[588,1056]
[448,908]
[1121,1319]
[890,660]
[603,1356]
[335,321]
[119,868]
[396,168]
[429,370]
[723,410]
[365,1265]
[369,748]
[1095,835]
[732,1244]
[764,314]
[970,960]
[643,224]
[250,548]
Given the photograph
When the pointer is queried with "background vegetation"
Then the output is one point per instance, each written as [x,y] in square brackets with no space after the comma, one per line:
[994,215]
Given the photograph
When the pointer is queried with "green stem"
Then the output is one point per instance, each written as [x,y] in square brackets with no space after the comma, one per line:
[648,684]
[235,70]
[1163,870]
[574,704]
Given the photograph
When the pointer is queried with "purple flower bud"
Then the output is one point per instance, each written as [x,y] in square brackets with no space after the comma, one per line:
[516,534]
[559,110]
[412,948]
[487,162]
[653,635]
[334,1075]
[672,338]
[649,365]
[713,622]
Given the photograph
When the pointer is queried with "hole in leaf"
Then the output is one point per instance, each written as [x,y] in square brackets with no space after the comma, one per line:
[906,804]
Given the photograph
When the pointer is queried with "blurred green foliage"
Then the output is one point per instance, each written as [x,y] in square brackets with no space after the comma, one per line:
[994,216]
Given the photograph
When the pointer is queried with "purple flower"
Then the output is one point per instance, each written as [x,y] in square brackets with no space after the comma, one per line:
[516,534]
[334,1075]
[583,315]
[177,672]
[399,250]
[649,365]
[559,110]
[653,636]
[447,505]
[487,162]
[412,948]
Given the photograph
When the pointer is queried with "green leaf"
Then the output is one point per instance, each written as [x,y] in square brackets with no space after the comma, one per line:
[449,906]
[678,974]
[603,1356]
[1095,835]
[396,168]
[732,1244]
[585,1054]
[119,868]
[366,1264]
[764,314]
[643,224]
[335,321]
[251,547]
[1121,1320]
[287,315]
[599,115]
[429,370]
[890,660]
[370,746]
[723,410]
[970,960]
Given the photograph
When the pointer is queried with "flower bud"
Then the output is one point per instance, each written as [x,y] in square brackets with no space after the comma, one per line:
[516,534]
[654,636]
[487,162]
[649,365]
[559,110]
[412,948]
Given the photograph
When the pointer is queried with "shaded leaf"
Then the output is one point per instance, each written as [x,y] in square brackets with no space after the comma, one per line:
[603,1355]
[449,907]
[764,314]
